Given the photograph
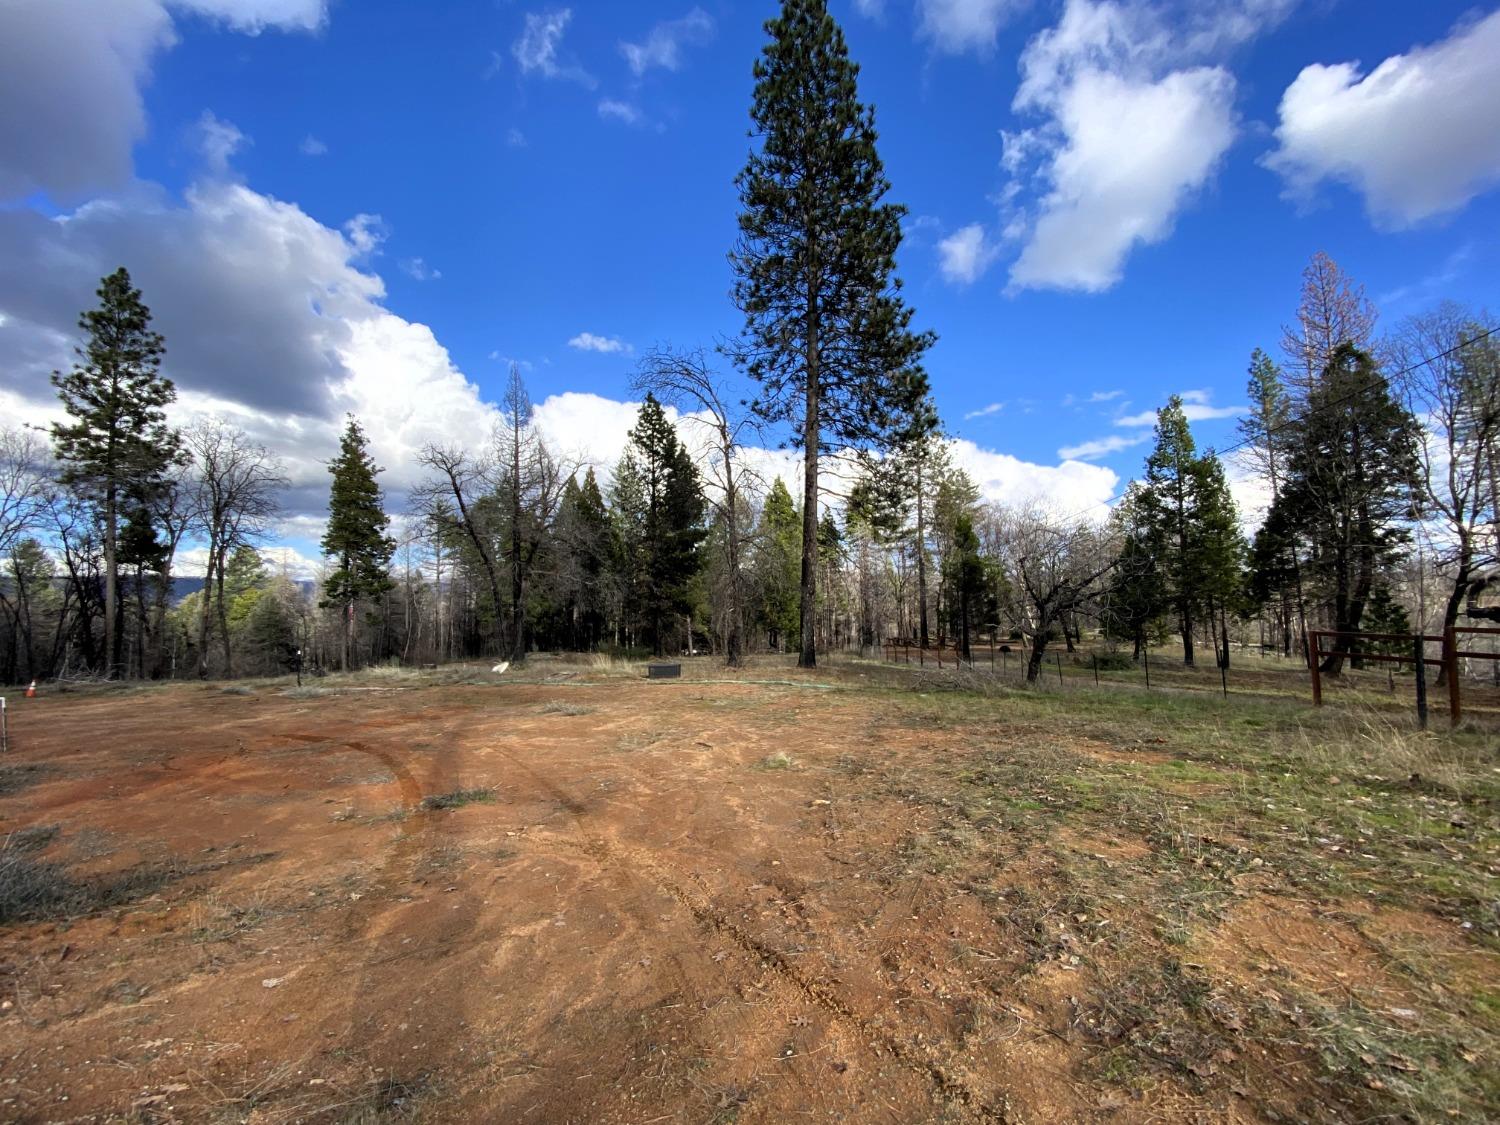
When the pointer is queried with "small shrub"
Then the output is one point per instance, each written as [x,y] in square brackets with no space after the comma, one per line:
[34,890]
[458,799]
[13,779]
[1115,662]
[557,707]
[237,689]
[308,692]
[780,760]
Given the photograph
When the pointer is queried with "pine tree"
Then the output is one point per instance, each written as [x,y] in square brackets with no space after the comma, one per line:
[119,445]
[777,549]
[355,538]
[1266,429]
[669,520]
[1193,528]
[1137,596]
[827,334]
[1170,505]
[966,575]
[583,529]
[1352,484]
[1385,614]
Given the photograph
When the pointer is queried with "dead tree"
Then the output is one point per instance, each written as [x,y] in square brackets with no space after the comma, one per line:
[236,488]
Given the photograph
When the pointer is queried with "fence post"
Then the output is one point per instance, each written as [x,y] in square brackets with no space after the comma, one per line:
[1450,669]
[1317,675]
[1146,662]
[1096,669]
[1419,650]
[1059,670]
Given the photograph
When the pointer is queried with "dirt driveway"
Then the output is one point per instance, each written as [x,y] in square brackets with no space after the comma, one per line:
[619,902]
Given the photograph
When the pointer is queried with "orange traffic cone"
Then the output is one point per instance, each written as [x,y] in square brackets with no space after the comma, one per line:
[31,690]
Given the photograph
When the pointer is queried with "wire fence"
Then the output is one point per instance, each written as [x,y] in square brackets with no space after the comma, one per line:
[1250,672]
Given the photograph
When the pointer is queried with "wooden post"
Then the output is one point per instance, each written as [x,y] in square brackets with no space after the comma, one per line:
[1312,663]
[1450,668]
[1059,671]
[1418,647]
[1146,661]
[1096,669]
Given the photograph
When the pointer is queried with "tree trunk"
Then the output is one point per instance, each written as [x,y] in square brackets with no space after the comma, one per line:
[204,608]
[112,636]
[1038,652]
[1456,598]
[224,628]
[808,658]
[922,633]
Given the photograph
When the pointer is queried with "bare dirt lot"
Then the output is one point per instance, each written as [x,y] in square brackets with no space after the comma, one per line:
[593,899]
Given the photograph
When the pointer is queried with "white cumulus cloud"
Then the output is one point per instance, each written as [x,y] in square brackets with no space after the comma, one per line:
[1417,136]
[1135,116]
[1096,448]
[956,26]
[966,254]
[663,46]
[606,345]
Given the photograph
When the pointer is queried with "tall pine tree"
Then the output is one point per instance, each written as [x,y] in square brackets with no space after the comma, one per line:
[1193,531]
[1353,481]
[827,334]
[669,521]
[117,449]
[355,538]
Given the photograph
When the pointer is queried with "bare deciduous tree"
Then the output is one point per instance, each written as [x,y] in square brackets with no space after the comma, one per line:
[1052,566]
[1452,386]
[25,485]
[1333,310]
[236,485]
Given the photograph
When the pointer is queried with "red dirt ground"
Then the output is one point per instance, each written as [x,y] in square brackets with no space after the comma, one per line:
[643,924]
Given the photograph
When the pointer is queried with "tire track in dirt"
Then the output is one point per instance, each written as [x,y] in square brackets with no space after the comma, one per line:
[598,849]
[415,826]
[953,1088]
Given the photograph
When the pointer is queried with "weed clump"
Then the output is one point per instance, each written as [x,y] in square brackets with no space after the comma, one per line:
[457,799]
[35,890]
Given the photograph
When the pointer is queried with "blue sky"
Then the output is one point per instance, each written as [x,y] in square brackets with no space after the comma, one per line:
[1109,202]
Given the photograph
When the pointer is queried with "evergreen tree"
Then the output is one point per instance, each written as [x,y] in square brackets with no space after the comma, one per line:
[1352,482]
[827,334]
[1136,598]
[776,555]
[118,447]
[584,554]
[1266,430]
[966,576]
[1385,614]
[1193,530]
[669,520]
[1218,563]
[355,537]
[1170,503]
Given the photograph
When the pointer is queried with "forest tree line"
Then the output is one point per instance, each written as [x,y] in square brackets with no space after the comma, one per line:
[1371,451]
